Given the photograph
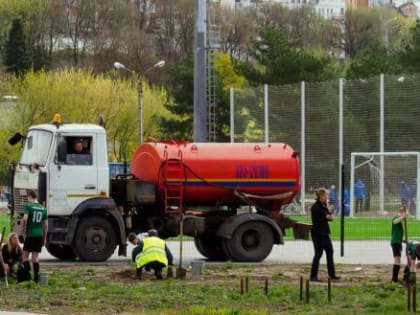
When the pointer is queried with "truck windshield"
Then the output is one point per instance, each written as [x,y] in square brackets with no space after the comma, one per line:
[37,147]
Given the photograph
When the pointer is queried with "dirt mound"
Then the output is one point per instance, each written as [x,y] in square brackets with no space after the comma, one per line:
[126,274]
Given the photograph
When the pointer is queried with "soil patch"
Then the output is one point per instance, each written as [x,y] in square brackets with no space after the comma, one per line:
[350,274]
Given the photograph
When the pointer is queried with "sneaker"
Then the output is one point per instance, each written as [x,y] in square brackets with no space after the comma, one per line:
[315,280]
[335,278]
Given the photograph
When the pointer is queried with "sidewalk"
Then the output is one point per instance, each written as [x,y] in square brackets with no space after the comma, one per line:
[377,252]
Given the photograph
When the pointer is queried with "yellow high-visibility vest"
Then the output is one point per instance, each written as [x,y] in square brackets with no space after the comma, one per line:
[153,250]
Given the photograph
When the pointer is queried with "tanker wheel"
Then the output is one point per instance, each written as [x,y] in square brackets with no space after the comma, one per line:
[210,246]
[62,252]
[94,239]
[252,241]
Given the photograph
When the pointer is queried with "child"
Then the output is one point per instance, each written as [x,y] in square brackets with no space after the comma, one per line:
[397,233]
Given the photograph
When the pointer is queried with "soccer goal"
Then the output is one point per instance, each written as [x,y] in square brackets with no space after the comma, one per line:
[381,182]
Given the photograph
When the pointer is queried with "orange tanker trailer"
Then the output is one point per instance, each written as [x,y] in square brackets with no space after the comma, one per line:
[206,186]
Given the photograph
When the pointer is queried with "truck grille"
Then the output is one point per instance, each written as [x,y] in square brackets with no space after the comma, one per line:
[20,197]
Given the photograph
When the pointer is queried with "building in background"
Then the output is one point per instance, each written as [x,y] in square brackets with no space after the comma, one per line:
[408,9]
[358,4]
[329,9]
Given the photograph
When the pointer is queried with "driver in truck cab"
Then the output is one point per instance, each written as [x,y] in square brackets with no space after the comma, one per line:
[79,153]
[79,147]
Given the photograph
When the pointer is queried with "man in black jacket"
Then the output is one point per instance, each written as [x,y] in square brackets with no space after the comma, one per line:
[321,235]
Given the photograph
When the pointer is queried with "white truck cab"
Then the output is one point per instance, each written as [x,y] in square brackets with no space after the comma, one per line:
[74,186]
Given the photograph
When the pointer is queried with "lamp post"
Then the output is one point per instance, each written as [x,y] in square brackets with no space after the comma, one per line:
[120,66]
[386,32]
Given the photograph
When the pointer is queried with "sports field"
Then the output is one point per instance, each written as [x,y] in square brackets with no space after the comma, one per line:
[367,228]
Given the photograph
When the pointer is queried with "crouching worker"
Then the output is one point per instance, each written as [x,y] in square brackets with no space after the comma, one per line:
[12,257]
[151,253]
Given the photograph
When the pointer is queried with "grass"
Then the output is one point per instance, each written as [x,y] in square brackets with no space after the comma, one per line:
[102,290]
[5,222]
[365,228]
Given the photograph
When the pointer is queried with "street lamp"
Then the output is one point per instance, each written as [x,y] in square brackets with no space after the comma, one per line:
[120,66]
[386,33]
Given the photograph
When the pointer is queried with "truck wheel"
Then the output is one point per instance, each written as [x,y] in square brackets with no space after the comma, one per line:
[94,239]
[200,249]
[251,241]
[210,246]
[62,252]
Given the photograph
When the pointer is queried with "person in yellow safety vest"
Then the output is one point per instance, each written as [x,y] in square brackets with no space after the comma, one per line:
[151,253]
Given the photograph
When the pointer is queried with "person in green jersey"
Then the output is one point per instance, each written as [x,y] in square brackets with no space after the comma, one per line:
[397,233]
[35,228]
[413,254]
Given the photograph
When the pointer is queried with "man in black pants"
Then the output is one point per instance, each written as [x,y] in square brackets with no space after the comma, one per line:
[321,235]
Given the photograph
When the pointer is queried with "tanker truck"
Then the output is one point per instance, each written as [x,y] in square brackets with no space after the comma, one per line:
[227,196]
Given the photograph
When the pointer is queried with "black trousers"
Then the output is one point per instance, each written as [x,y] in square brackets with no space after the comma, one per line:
[322,243]
[155,265]
[359,205]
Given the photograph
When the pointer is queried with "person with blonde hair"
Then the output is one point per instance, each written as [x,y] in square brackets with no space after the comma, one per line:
[12,255]
[321,235]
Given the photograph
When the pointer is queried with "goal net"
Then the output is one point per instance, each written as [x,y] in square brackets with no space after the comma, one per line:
[382,182]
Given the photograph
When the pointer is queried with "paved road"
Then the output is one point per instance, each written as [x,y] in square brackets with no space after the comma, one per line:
[355,252]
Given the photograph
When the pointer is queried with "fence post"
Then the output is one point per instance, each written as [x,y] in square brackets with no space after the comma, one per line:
[302,146]
[232,115]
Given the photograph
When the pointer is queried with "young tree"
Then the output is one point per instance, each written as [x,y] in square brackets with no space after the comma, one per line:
[236,31]
[180,104]
[410,56]
[15,55]
[360,30]
[175,31]
[372,62]
[277,61]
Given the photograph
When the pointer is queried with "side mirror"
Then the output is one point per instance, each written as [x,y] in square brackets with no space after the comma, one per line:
[17,137]
[61,152]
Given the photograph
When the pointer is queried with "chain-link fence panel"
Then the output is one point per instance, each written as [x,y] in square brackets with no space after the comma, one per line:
[364,102]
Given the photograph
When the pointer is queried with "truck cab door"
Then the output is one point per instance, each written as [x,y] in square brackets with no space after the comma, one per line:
[73,175]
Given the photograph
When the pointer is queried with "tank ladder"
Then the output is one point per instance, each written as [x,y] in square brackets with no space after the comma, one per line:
[174,178]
